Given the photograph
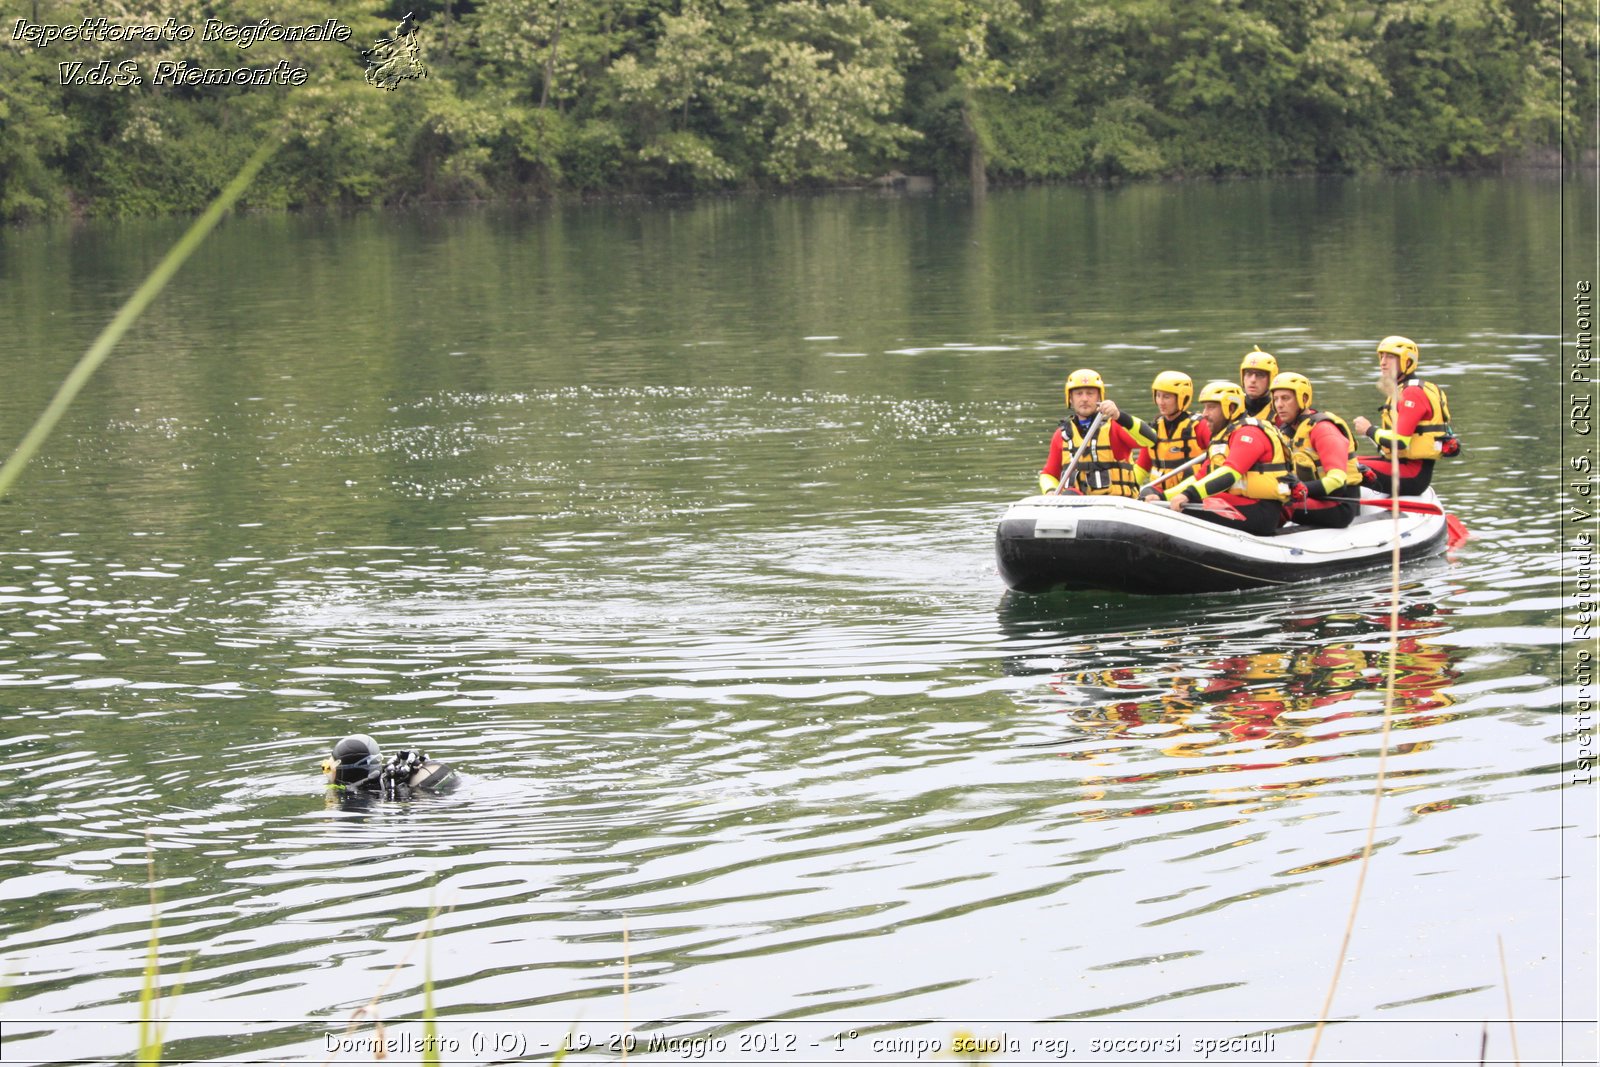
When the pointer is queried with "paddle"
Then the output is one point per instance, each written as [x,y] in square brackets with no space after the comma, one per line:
[1175,470]
[1420,507]
[1223,508]
[1217,506]
[1457,531]
[1066,475]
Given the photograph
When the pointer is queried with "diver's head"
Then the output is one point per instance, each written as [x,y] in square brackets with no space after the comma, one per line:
[353,759]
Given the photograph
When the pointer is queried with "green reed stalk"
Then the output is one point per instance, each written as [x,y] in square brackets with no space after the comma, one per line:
[152,1031]
[141,299]
[1383,763]
[430,1019]
[430,1015]
[1511,1017]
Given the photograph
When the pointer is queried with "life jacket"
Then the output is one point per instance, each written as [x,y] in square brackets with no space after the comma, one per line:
[1099,472]
[1176,443]
[1427,438]
[1264,480]
[1307,464]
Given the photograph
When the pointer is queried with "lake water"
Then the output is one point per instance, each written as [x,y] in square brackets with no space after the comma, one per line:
[670,525]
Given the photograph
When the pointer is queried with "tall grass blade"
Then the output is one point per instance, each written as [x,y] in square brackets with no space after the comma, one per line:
[152,1031]
[141,299]
[1511,1018]
[625,960]
[1383,765]
[430,1020]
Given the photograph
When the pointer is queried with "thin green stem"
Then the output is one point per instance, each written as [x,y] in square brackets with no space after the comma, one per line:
[141,299]
[1511,1018]
[1383,762]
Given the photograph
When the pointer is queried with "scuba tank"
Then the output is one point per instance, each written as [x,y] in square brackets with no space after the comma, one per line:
[356,763]
[410,769]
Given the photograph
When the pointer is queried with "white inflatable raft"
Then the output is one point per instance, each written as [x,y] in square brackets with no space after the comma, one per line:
[1124,545]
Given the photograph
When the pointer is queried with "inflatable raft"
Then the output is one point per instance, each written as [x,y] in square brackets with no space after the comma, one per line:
[1124,545]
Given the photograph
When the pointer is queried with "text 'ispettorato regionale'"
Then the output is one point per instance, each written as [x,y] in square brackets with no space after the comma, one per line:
[167,72]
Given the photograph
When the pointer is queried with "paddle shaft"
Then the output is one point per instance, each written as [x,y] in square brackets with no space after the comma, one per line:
[1175,470]
[1066,475]
[1404,505]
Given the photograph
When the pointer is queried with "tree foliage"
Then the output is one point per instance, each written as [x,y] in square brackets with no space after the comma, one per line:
[536,97]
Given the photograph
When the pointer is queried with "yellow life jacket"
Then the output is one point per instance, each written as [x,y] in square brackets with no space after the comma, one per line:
[1425,440]
[1176,443]
[1098,473]
[1264,480]
[1307,464]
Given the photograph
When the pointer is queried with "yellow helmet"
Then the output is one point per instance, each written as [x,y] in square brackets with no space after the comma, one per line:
[1258,360]
[1299,383]
[1085,379]
[1175,382]
[1230,396]
[1404,348]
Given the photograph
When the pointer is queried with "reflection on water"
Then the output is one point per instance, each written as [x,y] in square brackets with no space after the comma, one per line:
[1265,696]
[707,617]
[1208,709]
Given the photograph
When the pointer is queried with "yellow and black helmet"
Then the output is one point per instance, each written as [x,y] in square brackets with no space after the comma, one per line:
[1404,349]
[1230,396]
[1256,359]
[1175,382]
[1085,379]
[1299,384]
[352,760]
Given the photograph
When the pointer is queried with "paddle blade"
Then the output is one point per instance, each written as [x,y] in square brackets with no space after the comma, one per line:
[1223,508]
[1457,533]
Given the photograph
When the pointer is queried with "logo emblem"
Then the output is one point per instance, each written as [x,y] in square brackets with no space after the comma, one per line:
[395,58]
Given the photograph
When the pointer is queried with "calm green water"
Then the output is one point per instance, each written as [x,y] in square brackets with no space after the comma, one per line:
[670,525]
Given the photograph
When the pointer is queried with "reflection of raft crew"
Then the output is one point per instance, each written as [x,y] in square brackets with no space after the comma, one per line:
[356,763]
[1179,434]
[1106,436]
[1416,422]
[1248,470]
[1324,453]
[1256,371]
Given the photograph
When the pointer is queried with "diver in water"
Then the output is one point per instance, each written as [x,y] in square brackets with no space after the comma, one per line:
[356,764]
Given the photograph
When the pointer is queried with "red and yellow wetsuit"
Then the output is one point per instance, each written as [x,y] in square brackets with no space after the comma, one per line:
[1106,468]
[1248,456]
[1415,426]
[1324,452]
[1176,441]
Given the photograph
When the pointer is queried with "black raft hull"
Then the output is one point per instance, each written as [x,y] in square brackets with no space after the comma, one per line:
[1122,545]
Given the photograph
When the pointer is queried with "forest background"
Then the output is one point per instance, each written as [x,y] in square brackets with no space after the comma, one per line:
[534,98]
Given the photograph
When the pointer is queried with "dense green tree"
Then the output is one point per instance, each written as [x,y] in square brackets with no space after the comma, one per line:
[536,97]
[34,132]
[793,91]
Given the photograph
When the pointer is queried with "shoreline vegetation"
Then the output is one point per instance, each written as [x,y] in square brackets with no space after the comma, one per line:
[528,100]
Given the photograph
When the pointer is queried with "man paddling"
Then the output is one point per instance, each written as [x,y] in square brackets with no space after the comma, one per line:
[1416,422]
[1248,475]
[1323,448]
[1098,437]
